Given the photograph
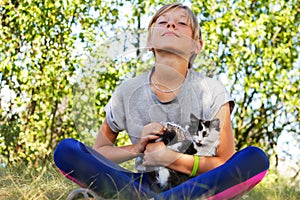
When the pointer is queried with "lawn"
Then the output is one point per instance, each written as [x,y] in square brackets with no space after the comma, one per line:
[24,183]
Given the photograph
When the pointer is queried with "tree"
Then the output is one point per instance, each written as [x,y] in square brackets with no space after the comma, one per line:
[56,78]
[256,43]
[37,64]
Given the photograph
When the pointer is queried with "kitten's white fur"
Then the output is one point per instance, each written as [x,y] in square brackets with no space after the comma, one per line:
[163,176]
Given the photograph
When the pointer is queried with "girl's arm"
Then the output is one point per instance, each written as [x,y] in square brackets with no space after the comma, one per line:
[106,138]
[104,144]
[158,154]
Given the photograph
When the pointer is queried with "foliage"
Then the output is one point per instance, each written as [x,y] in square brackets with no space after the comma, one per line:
[38,63]
[58,67]
[256,44]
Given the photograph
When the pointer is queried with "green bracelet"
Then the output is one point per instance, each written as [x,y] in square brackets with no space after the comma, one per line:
[195,167]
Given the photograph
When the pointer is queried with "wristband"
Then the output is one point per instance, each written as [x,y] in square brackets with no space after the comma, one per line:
[195,167]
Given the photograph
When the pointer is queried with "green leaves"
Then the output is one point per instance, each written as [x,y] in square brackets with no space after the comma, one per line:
[255,44]
[37,64]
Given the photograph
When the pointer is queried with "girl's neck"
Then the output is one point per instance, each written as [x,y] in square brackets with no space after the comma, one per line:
[170,70]
[168,77]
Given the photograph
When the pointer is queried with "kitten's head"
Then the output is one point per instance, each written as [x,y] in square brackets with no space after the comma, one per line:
[169,137]
[204,129]
[173,133]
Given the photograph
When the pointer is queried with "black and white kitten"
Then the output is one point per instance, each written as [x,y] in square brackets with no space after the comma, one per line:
[204,141]
[207,137]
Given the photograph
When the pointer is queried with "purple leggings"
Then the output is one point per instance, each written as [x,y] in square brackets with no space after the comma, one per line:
[89,169]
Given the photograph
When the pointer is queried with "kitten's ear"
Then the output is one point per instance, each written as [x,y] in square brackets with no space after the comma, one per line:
[194,123]
[193,118]
[206,123]
[215,123]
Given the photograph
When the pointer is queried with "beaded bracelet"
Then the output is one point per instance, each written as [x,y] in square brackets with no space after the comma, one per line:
[195,167]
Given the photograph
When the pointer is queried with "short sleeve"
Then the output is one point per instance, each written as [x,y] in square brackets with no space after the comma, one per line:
[115,114]
[219,97]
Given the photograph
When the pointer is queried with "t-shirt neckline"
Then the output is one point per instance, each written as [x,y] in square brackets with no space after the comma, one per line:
[181,90]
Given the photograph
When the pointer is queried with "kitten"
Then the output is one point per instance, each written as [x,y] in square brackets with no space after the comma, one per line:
[207,137]
[204,142]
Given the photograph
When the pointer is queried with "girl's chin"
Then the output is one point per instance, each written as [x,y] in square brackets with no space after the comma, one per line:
[172,50]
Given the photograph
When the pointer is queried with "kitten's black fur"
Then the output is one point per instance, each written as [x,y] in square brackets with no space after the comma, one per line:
[177,139]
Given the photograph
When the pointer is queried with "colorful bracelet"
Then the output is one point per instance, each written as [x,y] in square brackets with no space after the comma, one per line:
[195,167]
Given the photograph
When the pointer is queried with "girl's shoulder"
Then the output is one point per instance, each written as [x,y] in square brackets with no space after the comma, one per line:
[201,78]
[134,82]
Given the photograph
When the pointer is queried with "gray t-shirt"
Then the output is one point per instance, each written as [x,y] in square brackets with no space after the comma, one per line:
[134,104]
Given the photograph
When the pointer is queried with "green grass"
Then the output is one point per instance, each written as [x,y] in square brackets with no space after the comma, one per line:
[24,183]
[275,187]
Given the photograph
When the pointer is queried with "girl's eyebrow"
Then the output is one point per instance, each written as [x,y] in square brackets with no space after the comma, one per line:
[181,15]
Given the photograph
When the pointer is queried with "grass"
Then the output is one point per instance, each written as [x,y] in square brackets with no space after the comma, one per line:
[274,187]
[24,183]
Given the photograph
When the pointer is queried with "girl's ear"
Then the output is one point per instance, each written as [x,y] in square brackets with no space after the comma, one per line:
[198,46]
[150,46]
[149,41]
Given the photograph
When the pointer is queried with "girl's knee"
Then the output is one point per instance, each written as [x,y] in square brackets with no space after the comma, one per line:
[255,155]
[65,149]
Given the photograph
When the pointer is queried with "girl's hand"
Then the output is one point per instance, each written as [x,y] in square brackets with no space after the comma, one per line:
[157,154]
[150,132]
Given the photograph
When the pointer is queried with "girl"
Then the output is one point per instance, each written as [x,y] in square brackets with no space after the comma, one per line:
[170,92]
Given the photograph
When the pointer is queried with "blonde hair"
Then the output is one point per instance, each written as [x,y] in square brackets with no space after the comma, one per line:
[192,20]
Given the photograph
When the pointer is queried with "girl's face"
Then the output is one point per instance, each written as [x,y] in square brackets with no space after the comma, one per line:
[172,32]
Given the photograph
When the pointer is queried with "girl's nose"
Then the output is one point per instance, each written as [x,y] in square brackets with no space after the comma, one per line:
[171,24]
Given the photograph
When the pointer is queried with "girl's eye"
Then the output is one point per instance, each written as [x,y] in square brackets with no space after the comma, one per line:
[162,22]
[182,23]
